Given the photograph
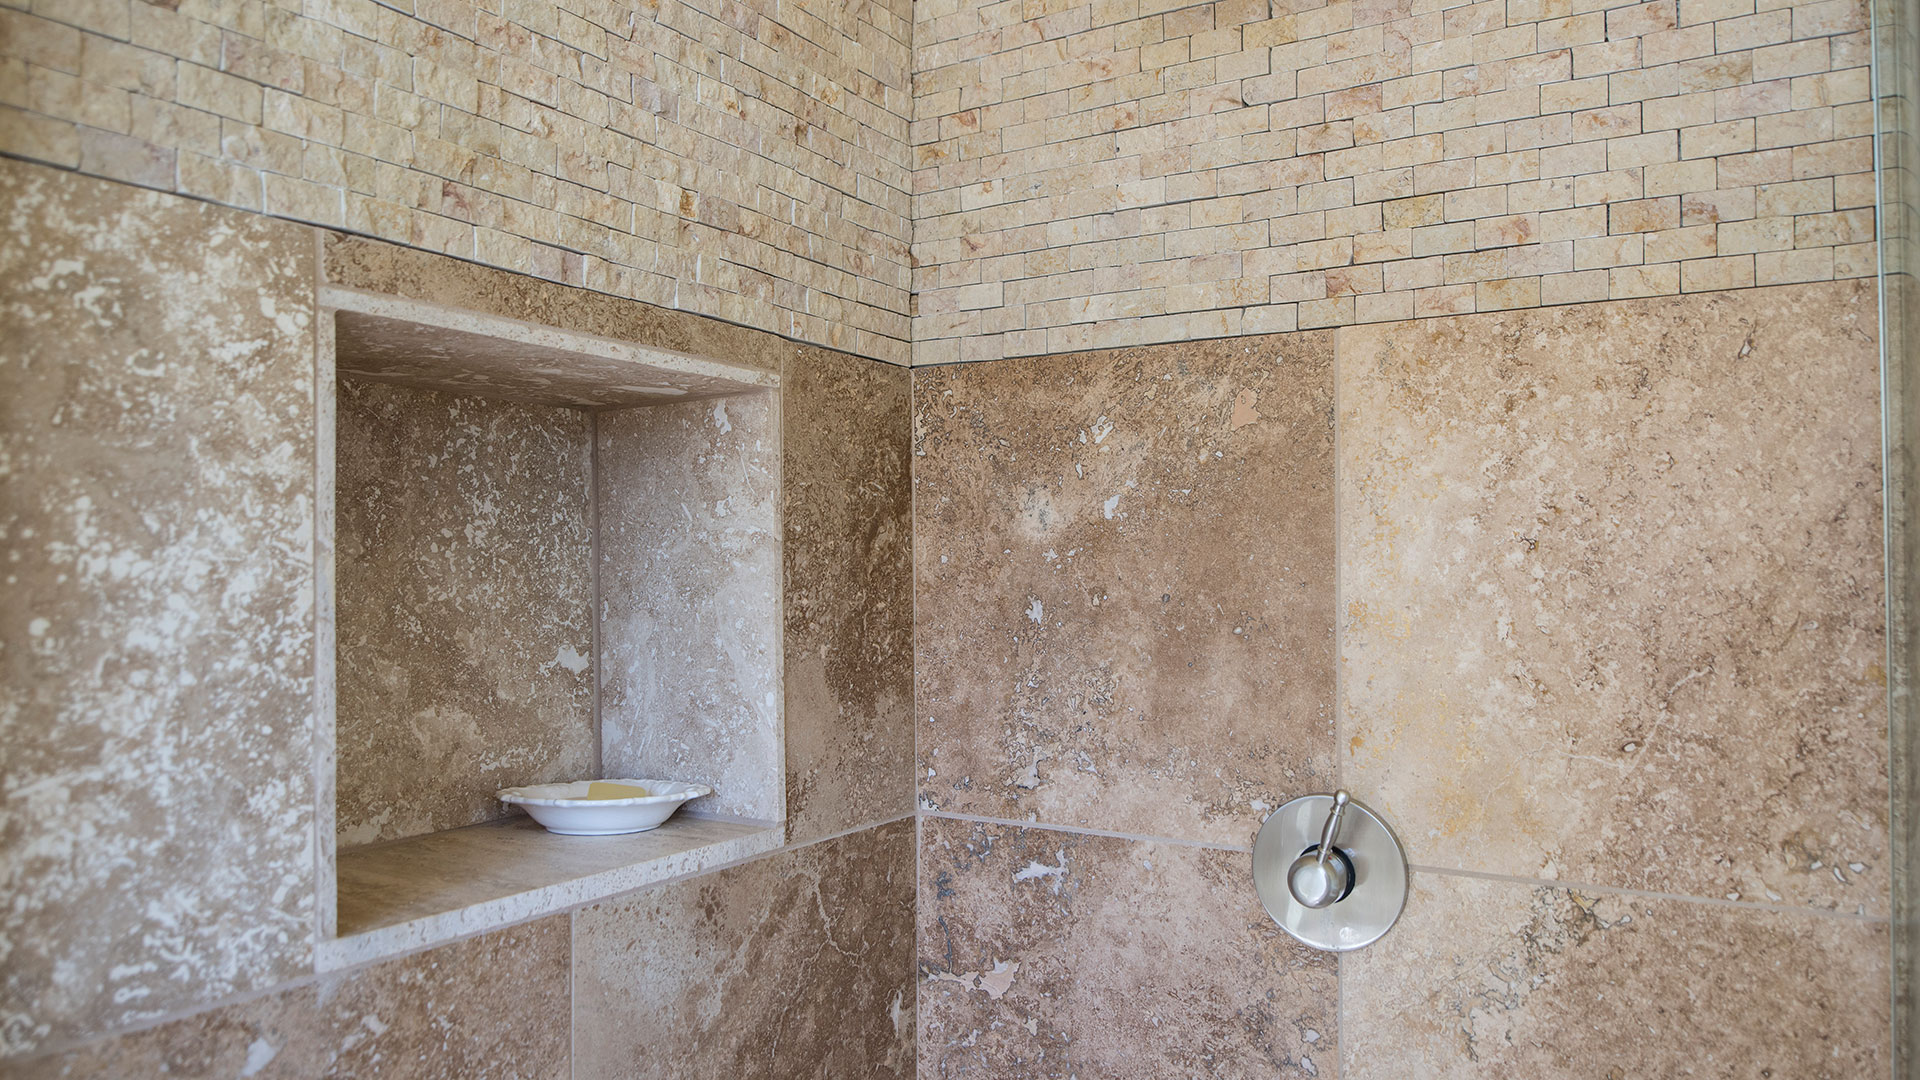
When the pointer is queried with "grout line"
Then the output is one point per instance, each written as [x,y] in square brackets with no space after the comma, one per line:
[1443,871]
[775,398]
[323,757]
[1084,831]
[1891,486]
[573,999]
[1354,325]
[913,694]
[598,665]
[1645,894]
[1339,686]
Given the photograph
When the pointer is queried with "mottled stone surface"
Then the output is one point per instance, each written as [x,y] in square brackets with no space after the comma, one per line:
[1124,585]
[360,263]
[465,606]
[689,523]
[848,555]
[1060,955]
[463,353]
[796,966]
[1495,980]
[1612,588]
[157,632]
[493,1007]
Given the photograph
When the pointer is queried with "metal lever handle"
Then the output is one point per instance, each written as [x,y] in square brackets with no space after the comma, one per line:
[1322,877]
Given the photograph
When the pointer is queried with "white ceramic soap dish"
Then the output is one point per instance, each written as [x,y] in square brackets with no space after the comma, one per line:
[602,807]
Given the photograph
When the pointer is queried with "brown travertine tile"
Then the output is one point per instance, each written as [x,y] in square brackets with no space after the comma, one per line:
[157,633]
[849,592]
[689,529]
[797,965]
[1492,980]
[493,1007]
[1612,588]
[465,606]
[1052,954]
[359,263]
[1124,585]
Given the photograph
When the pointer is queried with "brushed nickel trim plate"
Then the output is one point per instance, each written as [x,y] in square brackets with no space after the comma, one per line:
[1329,903]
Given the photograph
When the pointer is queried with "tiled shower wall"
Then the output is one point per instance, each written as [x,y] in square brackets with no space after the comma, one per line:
[1098,173]
[157,514]
[742,160]
[1154,600]
[1587,602]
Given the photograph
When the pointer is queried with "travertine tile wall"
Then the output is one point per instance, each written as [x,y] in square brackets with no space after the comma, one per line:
[1124,574]
[739,159]
[799,965]
[1610,656]
[1124,582]
[158,693]
[1612,619]
[157,445]
[1111,172]
[1636,547]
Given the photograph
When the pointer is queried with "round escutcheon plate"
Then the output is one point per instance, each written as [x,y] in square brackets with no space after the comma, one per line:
[1379,891]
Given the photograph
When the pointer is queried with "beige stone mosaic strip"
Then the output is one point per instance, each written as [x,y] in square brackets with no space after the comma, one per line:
[1118,172]
[741,160]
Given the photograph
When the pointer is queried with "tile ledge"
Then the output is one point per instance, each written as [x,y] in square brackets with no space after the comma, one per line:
[413,894]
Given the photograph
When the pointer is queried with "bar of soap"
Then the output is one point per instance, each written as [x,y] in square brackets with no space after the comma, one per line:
[600,789]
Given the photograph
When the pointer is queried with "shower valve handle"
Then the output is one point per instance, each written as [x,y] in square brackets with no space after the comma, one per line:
[1323,876]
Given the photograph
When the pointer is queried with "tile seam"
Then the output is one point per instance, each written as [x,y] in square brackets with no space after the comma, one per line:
[1339,681]
[1082,830]
[1335,327]
[1418,868]
[1645,894]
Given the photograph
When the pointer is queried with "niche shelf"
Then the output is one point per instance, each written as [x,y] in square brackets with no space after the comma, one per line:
[554,556]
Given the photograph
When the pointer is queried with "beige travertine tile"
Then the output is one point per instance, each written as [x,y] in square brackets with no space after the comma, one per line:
[464,585]
[1051,954]
[493,1007]
[157,638]
[1064,156]
[1124,585]
[1492,980]
[1612,593]
[689,594]
[797,965]
[848,555]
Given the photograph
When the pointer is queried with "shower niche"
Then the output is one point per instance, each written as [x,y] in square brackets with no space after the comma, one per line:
[555,557]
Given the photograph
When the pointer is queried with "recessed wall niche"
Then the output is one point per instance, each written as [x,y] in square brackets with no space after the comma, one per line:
[556,556]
